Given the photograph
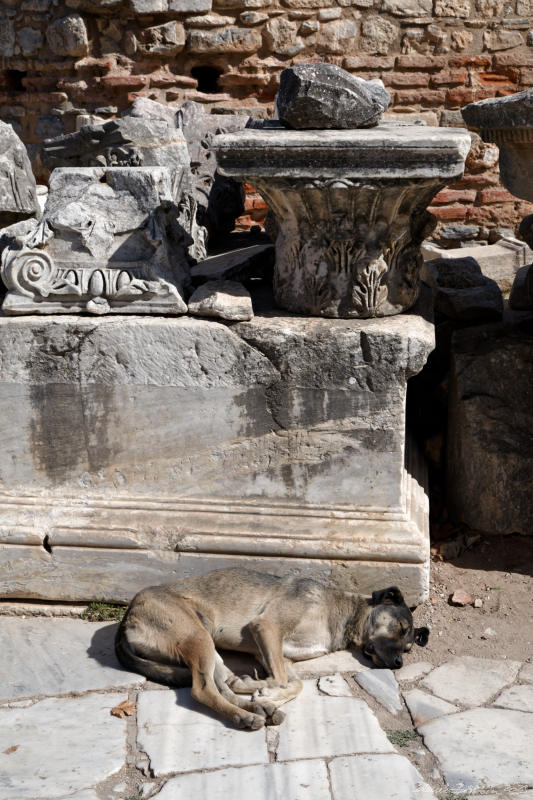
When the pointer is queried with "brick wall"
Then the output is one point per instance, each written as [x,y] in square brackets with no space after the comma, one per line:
[63,59]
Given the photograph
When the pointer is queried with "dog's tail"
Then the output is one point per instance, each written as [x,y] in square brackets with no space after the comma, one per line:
[169,674]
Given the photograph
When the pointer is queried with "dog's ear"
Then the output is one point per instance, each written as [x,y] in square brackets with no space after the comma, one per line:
[421,636]
[390,595]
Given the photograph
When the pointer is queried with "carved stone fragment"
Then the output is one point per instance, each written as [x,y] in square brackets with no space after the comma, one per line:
[18,198]
[508,122]
[127,142]
[109,241]
[219,199]
[326,96]
[350,223]
[223,299]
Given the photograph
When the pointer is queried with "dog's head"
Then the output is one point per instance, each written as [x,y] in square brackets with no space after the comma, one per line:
[389,630]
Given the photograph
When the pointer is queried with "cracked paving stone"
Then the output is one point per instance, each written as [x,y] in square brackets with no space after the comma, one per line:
[383,686]
[43,656]
[375,777]
[482,748]
[526,673]
[335,686]
[180,735]
[340,661]
[470,681]
[412,672]
[63,746]
[519,698]
[299,780]
[321,726]
[423,706]
[527,795]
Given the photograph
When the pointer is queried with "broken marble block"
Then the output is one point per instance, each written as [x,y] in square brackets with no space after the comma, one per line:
[109,241]
[223,299]
[325,96]
[126,142]
[461,291]
[18,197]
[219,199]
[508,122]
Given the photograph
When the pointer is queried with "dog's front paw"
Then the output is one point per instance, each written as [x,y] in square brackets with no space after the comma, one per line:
[276,718]
[249,722]
[272,713]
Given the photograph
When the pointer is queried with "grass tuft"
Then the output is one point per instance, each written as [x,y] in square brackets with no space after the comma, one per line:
[402,738]
[101,612]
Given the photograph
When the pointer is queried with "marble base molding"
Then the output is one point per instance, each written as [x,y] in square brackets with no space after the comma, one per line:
[136,449]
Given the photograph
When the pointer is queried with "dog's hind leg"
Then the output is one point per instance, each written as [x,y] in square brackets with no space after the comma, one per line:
[277,689]
[267,709]
[200,655]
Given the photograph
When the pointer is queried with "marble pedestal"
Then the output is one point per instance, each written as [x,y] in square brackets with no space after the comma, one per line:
[137,449]
[350,207]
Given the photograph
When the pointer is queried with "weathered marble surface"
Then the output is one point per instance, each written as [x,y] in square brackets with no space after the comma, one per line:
[351,219]
[223,299]
[77,740]
[58,658]
[18,198]
[109,241]
[172,446]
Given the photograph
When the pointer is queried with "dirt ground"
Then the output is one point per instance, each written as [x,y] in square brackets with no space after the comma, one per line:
[498,570]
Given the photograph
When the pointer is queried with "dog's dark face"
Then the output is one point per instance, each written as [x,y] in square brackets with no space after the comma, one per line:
[389,630]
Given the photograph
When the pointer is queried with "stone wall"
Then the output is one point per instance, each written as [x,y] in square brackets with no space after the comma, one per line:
[61,60]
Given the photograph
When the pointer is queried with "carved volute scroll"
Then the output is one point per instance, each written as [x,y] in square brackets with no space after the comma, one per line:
[110,241]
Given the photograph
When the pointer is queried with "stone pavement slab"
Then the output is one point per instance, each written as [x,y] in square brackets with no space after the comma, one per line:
[341,661]
[527,795]
[423,706]
[517,697]
[470,681]
[483,747]
[321,726]
[412,672]
[334,686]
[62,746]
[526,673]
[180,735]
[300,780]
[376,777]
[58,656]
[383,686]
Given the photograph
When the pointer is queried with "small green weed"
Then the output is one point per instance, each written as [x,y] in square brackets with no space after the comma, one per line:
[401,738]
[100,612]
[452,796]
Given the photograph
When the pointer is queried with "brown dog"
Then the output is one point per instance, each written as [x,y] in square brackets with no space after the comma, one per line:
[169,634]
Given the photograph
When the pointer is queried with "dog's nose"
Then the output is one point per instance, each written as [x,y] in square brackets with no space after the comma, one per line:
[398,661]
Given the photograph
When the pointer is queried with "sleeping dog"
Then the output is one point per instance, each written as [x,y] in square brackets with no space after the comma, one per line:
[169,634]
